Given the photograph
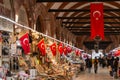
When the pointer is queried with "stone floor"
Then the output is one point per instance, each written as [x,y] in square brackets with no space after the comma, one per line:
[103,74]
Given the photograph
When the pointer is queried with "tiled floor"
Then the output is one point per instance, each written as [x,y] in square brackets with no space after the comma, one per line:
[103,74]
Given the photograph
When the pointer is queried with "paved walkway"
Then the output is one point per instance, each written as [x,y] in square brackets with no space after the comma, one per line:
[103,74]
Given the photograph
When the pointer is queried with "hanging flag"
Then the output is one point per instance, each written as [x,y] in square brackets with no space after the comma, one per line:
[77,52]
[65,50]
[69,49]
[24,40]
[60,48]
[41,46]
[97,22]
[117,53]
[53,49]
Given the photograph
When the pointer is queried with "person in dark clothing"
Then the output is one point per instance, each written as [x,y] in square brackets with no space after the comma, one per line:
[103,62]
[100,61]
[108,61]
[115,65]
[111,65]
[111,62]
[95,65]
[89,64]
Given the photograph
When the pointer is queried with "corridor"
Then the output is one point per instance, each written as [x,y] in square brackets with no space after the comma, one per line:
[103,74]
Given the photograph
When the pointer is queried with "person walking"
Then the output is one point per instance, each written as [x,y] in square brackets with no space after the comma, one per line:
[111,62]
[89,64]
[115,64]
[95,65]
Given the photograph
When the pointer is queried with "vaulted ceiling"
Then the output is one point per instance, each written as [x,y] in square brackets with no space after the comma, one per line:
[75,16]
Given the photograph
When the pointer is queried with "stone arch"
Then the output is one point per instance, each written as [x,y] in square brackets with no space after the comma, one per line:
[41,12]
[6,11]
[38,24]
[62,35]
[22,12]
[21,17]
[57,34]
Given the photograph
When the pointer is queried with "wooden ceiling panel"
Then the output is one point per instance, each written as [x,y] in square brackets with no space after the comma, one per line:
[83,29]
[49,5]
[75,1]
[62,6]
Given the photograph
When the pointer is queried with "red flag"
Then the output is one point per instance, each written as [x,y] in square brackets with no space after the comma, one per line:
[117,53]
[53,49]
[60,48]
[97,22]
[41,46]
[24,40]
[65,50]
[77,52]
[69,49]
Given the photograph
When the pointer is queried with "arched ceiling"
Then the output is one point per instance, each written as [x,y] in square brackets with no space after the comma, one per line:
[75,16]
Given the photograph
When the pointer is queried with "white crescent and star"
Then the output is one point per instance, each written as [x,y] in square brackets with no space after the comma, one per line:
[97,12]
[53,47]
[42,46]
[64,49]
[60,47]
[25,40]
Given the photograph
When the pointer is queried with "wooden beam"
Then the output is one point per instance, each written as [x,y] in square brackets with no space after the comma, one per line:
[106,17]
[106,29]
[80,10]
[73,0]
[89,22]
[89,27]
[88,33]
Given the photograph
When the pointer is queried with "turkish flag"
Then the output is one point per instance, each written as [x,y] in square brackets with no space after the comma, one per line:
[60,48]
[53,49]
[117,53]
[65,50]
[77,52]
[69,49]
[97,22]
[41,46]
[24,40]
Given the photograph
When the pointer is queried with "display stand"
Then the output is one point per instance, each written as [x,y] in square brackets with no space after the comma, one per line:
[21,66]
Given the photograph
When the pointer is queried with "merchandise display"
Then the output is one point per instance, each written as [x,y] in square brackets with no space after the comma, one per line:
[44,63]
